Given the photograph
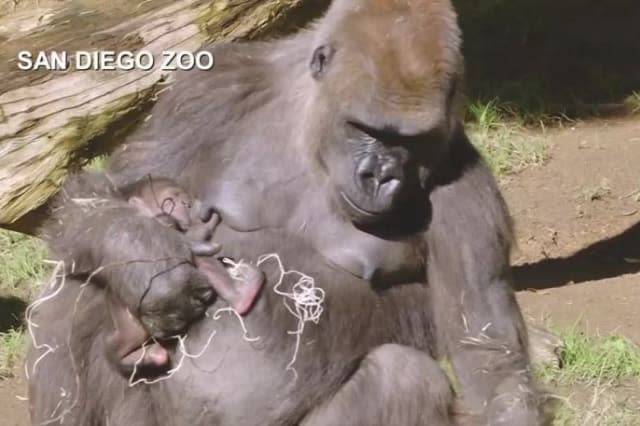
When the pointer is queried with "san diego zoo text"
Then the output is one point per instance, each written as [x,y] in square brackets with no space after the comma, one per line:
[110,60]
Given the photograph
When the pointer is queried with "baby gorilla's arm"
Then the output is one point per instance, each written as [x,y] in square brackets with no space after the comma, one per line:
[239,289]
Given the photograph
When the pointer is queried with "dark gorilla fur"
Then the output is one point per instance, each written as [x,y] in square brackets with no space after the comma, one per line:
[341,149]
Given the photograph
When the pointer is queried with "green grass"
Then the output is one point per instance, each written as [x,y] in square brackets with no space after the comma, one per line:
[634,102]
[599,410]
[21,271]
[12,349]
[487,116]
[498,132]
[592,372]
[609,359]
[97,164]
[21,261]
[588,359]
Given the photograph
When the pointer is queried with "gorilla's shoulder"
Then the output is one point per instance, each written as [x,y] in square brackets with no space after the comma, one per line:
[245,77]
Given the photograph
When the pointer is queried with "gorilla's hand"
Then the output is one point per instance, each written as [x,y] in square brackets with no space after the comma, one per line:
[151,269]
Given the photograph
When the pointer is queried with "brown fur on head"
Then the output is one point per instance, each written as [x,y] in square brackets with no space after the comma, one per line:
[384,83]
[395,62]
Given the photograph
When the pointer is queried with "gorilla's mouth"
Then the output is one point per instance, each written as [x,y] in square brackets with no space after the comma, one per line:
[361,211]
[403,219]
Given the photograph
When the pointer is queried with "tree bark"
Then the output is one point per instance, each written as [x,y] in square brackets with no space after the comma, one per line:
[52,122]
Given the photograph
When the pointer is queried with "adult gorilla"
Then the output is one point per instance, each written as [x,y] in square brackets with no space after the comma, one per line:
[341,149]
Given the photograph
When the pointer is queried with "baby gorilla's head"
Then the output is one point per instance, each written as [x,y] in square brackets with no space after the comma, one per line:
[163,199]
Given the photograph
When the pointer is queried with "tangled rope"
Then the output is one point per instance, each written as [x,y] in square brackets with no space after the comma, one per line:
[304,301]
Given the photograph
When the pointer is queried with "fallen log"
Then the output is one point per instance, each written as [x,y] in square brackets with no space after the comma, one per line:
[53,120]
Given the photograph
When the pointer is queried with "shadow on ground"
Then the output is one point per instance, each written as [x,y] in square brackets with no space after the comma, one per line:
[11,313]
[608,258]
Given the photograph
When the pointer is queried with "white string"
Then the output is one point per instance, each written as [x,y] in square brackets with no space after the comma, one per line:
[57,276]
[304,302]
[182,349]
[237,270]
[307,301]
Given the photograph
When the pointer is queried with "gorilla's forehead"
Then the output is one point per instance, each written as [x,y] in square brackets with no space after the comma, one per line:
[408,36]
[396,62]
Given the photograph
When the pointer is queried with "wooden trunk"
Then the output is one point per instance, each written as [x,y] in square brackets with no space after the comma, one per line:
[52,122]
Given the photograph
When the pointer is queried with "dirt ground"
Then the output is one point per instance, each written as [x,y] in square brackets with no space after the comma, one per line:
[578,229]
[13,404]
[578,234]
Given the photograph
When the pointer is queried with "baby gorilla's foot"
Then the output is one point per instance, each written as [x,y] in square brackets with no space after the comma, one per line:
[248,282]
[237,284]
[127,349]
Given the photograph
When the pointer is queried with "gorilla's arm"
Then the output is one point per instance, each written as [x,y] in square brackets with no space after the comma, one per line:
[478,322]
[100,237]
[92,227]
[196,116]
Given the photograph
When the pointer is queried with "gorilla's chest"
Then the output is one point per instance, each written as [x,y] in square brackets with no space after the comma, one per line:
[260,217]
[381,262]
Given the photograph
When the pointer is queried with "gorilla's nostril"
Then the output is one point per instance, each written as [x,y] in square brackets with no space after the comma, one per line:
[390,186]
[388,172]
[386,179]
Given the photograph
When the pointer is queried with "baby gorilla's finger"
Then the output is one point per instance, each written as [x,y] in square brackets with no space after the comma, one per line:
[204,248]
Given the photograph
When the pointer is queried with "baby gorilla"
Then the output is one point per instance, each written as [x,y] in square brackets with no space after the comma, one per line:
[164,200]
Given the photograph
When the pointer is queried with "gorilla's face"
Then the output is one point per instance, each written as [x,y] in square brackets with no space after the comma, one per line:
[382,116]
[378,175]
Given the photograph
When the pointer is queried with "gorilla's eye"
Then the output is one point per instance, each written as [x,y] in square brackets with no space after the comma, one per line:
[387,136]
[359,133]
[320,61]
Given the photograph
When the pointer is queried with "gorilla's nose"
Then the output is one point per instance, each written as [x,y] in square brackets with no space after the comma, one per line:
[380,175]
[389,171]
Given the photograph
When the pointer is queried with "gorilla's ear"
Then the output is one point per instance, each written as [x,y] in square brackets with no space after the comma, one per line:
[320,61]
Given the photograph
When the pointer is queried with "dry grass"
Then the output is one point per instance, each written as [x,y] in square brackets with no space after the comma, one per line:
[12,349]
[504,142]
[594,380]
